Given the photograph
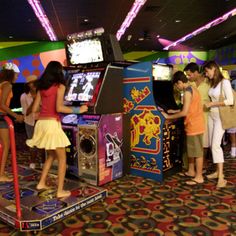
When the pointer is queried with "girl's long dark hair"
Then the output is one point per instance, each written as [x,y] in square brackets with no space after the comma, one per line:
[218,77]
[7,75]
[52,75]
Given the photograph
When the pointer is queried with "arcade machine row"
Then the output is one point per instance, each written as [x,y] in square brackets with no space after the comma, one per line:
[100,141]
[156,145]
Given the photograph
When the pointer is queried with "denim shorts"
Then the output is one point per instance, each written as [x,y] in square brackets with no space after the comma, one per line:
[3,123]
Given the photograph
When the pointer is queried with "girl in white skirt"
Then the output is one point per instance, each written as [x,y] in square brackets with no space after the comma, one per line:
[48,133]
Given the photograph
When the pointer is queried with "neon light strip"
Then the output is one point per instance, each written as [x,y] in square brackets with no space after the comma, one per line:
[130,16]
[39,12]
[203,28]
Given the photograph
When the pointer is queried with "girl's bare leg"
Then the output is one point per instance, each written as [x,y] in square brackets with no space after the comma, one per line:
[5,140]
[199,167]
[221,181]
[46,167]
[191,167]
[61,155]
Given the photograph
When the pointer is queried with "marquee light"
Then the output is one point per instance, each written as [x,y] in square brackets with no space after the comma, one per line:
[130,17]
[209,25]
[86,34]
[40,13]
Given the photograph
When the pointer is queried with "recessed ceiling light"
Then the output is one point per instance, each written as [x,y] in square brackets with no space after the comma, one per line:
[158,36]
[177,21]
[225,37]
[141,39]
[129,37]
[86,20]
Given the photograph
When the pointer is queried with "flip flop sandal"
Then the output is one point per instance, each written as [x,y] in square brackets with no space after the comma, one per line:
[183,174]
[193,182]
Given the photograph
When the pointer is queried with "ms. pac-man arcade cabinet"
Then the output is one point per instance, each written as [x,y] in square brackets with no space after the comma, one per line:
[156,145]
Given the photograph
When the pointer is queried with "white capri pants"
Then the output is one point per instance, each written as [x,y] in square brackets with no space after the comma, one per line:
[216,133]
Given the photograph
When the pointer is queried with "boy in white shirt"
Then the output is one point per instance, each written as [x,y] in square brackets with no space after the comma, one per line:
[26,100]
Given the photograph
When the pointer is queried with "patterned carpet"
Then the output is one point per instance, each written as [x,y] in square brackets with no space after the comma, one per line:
[142,207]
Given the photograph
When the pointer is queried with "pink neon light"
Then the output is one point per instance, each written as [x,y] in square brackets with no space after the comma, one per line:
[130,16]
[203,28]
[39,12]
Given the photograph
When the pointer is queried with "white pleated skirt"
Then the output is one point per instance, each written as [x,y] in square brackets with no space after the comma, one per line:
[48,135]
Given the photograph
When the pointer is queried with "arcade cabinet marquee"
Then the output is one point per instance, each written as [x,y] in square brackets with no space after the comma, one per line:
[92,46]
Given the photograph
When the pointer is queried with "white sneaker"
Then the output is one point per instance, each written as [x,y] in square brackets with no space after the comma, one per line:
[32,166]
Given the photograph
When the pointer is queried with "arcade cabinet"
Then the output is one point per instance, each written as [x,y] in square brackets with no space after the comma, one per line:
[156,145]
[99,140]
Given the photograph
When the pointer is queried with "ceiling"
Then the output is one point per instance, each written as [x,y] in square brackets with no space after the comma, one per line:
[157,17]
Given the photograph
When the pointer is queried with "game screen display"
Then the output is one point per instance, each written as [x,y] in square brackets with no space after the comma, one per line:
[163,94]
[162,72]
[86,51]
[163,87]
[81,86]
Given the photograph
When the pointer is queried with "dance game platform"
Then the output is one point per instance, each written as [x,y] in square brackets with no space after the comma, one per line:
[40,209]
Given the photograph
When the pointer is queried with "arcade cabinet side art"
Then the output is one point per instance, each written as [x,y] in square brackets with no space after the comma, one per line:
[146,122]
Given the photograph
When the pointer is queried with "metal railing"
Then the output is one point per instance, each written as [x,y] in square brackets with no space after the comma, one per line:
[14,164]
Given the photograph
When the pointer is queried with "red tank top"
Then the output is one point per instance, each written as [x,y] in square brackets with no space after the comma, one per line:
[48,106]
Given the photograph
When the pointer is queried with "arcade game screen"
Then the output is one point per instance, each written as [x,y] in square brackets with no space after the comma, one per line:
[86,51]
[81,86]
[163,88]
[162,72]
